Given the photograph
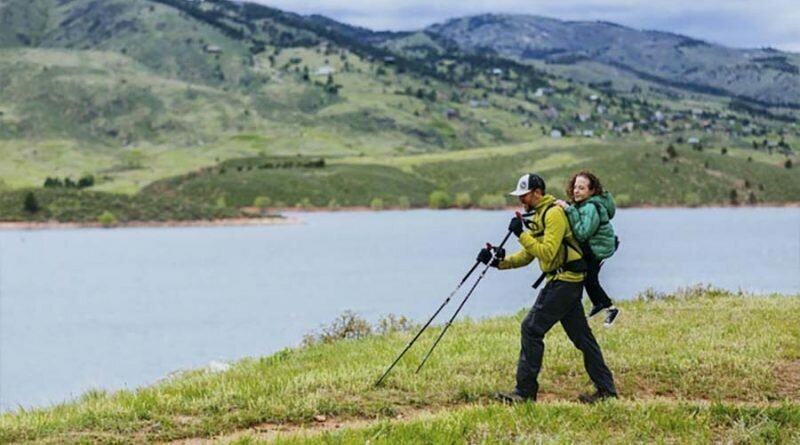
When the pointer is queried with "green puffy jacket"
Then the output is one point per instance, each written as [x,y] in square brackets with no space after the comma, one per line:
[546,242]
[590,222]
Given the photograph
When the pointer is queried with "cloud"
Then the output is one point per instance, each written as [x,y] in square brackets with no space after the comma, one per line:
[736,23]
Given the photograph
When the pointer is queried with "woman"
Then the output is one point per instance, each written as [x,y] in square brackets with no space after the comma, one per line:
[589,215]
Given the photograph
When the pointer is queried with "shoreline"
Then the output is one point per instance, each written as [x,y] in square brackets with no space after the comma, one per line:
[287,220]
[229,222]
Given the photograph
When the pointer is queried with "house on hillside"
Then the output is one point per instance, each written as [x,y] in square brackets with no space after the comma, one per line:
[212,49]
[325,71]
[555,134]
[693,141]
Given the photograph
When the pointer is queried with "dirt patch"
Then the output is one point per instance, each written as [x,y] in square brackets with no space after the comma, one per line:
[270,431]
[787,373]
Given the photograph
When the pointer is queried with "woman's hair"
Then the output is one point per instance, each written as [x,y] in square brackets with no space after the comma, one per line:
[594,183]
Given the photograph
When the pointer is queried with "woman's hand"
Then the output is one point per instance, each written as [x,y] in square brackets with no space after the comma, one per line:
[561,203]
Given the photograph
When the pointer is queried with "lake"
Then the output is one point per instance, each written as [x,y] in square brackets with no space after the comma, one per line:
[110,309]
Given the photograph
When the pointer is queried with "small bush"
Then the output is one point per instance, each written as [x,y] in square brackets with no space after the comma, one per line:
[394,323]
[262,202]
[348,326]
[439,199]
[107,219]
[31,204]
[623,200]
[376,204]
[492,202]
[692,199]
[463,200]
[221,203]
[788,163]
[403,202]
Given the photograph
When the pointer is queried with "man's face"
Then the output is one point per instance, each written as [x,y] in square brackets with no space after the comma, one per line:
[530,199]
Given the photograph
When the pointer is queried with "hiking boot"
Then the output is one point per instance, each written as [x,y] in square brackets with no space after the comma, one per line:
[596,310]
[598,396]
[611,316]
[514,397]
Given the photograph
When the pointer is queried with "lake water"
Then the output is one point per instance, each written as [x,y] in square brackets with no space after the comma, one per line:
[93,308]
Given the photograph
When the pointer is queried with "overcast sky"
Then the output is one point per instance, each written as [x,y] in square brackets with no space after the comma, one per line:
[735,23]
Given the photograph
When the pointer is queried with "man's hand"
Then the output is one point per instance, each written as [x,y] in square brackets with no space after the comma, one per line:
[485,256]
[516,226]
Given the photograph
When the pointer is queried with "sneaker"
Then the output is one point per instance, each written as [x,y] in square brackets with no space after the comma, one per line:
[514,397]
[611,316]
[596,310]
[598,396]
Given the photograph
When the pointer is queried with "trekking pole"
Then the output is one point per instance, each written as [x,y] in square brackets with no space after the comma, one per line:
[480,277]
[429,322]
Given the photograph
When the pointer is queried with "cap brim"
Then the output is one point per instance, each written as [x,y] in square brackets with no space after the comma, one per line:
[519,192]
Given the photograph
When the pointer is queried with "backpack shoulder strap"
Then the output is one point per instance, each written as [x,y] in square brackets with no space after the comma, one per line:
[599,213]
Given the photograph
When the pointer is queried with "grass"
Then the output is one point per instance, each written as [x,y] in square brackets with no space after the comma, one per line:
[82,206]
[636,172]
[701,365]
[566,423]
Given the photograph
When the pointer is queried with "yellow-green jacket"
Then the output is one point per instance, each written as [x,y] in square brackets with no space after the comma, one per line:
[547,245]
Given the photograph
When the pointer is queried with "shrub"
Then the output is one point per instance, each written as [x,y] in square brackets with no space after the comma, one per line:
[31,204]
[394,323]
[439,199]
[376,204]
[492,202]
[692,199]
[347,326]
[403,202]
[463,200]
[262,202]
[221,203]
[788,163]
[107,219]
[350,326]
[304,203]
[623,200]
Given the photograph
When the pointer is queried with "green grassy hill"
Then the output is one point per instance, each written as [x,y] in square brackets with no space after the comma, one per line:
[637,173]
[136,92]
[700,366]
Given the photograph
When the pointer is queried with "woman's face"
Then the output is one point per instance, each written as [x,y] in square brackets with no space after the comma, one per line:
[581,189]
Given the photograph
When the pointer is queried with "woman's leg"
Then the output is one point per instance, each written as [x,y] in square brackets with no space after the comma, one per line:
[596,293]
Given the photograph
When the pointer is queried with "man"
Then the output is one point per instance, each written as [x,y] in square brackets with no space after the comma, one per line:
[550,241]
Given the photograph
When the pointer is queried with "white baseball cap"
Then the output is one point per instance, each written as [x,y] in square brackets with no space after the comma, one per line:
[527,183]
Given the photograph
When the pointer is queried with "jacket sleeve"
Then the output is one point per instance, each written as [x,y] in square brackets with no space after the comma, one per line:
[519,259]
[546,249]
[584,221]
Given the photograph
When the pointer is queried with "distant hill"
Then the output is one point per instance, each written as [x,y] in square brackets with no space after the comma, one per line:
[133,92]
[768,76]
